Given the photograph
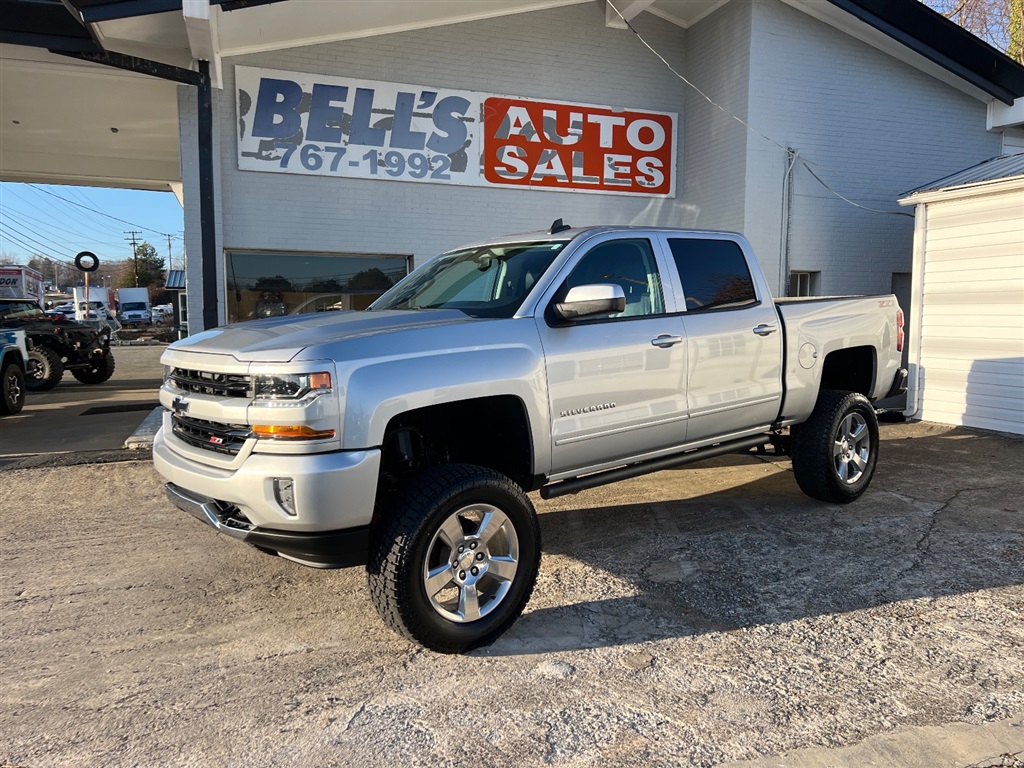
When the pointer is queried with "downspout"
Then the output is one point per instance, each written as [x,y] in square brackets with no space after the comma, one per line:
[787,200]
[915,390]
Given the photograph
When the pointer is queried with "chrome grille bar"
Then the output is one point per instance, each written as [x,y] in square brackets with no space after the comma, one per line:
[207,383]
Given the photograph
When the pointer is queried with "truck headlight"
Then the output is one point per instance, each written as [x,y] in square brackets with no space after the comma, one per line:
[291,388]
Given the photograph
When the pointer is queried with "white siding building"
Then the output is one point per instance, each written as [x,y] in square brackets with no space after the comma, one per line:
[797,94]
[967,336]
[353,139]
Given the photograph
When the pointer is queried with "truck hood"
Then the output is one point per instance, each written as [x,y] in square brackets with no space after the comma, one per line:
[280,339]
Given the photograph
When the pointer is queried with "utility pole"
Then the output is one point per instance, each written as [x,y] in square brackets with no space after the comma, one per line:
[170,260]
[132,235]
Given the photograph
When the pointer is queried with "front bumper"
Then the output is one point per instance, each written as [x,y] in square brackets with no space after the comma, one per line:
[328,549]
[332,491]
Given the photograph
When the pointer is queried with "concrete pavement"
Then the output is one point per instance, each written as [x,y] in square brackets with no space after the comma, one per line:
[74,418]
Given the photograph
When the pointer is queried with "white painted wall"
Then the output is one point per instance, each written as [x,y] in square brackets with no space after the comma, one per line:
[874,127]
[561,54]
[715,152]
[967,345]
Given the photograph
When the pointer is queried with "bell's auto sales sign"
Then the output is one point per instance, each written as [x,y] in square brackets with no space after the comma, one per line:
[329,126]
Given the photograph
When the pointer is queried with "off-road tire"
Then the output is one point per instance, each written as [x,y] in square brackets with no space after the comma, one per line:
[12,389]
[405,535]
[820,444]
[97,374]
[49,369]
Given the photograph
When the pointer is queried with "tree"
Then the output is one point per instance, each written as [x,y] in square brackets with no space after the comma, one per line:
[145,269]
[323,285]
[997,22]
[275,284]
[371,279]
[59,273]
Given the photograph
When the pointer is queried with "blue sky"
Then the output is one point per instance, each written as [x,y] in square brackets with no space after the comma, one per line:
[59,221]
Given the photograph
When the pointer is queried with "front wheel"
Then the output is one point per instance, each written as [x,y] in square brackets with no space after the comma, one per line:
[454,560]
[98,373]
[12,389]
[48,369]
[835,451]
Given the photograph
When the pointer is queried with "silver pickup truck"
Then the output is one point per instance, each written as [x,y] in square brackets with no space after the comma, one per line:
[406,437]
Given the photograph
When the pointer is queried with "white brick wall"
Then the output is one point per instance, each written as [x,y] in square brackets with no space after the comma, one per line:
[875,128]
[561,54]
[717,62]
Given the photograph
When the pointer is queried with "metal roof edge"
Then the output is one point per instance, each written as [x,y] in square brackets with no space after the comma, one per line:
[943,42]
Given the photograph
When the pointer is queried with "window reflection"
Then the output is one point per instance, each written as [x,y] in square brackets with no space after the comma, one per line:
[265,284]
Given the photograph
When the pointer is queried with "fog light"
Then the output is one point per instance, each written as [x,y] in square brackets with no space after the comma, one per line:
[284,493]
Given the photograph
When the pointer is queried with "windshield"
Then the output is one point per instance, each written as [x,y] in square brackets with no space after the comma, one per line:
[133,306]
[488,281]
[13,310]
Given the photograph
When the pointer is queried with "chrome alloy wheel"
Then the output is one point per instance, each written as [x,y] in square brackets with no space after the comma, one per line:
[851,448]
[471,563]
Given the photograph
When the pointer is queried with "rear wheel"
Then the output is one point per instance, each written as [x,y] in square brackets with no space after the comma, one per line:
[48,369]
[12,389]
[454,559]
[835,451]
[98,373]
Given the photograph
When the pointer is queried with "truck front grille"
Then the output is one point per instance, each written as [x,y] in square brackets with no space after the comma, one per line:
[209,435]
[207,383]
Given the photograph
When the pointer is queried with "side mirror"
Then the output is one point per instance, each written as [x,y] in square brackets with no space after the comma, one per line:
[585,301]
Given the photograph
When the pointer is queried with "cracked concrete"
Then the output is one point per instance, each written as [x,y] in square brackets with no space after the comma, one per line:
[698,617]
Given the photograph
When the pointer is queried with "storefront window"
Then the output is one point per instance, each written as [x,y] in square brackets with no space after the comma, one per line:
[270,284]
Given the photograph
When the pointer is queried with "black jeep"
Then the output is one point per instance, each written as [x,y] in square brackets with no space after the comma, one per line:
[58,344]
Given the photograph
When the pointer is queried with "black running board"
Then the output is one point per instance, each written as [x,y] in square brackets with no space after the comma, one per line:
[578,484]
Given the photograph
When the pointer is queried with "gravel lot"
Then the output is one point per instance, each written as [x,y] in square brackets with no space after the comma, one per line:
[692,617]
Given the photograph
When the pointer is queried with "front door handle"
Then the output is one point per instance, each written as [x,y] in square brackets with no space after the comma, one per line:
[664,341]
[764,330]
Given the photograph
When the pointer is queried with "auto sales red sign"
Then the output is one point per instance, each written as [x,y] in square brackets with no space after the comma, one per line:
[322,125]
[552,145]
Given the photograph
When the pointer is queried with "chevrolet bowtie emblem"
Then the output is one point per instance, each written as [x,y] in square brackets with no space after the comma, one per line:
[180,405]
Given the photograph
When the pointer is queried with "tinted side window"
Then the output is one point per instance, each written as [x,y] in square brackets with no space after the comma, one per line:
[714,274]
[629,264]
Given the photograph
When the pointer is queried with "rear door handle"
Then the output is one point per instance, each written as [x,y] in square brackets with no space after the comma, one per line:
[665,340]
[764,330]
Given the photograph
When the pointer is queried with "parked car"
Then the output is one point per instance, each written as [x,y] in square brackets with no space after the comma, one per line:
[59,344]
[13,358]
[407,437]
[63,310]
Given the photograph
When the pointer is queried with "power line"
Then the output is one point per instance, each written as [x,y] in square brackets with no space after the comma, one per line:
[78,243]
[37,222]
[804,162]
[45,247]
[95,210]
[11,238]
[60,211]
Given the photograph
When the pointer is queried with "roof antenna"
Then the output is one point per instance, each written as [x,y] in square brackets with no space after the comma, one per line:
[558,226]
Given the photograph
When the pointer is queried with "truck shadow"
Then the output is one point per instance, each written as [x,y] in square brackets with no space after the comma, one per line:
[943,517]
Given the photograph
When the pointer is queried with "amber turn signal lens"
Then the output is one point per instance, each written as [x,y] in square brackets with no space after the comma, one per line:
[319,381]
[289,432]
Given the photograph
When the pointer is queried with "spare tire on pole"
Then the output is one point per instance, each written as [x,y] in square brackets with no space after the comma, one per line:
[86,261]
